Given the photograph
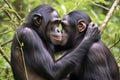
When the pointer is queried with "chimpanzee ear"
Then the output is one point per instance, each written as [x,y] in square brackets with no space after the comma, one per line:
[81,25]
[37,19]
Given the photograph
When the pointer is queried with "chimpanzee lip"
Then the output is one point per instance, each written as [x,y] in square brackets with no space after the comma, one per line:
[56,37]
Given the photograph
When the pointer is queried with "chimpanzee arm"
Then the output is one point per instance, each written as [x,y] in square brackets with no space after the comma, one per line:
[36,56]
[38,59]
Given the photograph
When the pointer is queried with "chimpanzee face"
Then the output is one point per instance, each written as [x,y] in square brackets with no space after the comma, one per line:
[73,27]
[68,31]
[56,36]
[51,31]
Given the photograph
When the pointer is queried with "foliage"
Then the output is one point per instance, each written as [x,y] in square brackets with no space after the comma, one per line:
[97,10]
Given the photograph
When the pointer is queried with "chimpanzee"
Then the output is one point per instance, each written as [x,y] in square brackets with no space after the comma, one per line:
[99,63]
[33,44]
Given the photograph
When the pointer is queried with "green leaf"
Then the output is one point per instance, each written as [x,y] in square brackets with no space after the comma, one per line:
[60,27]
[22,44]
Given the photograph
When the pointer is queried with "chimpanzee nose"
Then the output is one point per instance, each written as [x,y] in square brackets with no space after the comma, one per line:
[59,34]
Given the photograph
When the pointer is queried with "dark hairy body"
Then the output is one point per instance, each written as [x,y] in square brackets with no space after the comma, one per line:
[33,46]
[99,63]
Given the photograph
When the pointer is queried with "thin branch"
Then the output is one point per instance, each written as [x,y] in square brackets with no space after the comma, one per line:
[4,55]
[9,15]
[101,6]
[6,42]
[10,6]
[115,44]
[110,13]
[5,32]
[23,58]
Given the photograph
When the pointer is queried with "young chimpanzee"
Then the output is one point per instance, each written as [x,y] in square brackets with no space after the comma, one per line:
[99,64]
[32,47]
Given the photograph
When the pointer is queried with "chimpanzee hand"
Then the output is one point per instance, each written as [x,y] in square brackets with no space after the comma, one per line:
[93,32]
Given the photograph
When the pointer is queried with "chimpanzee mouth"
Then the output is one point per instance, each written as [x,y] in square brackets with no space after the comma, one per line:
[57,38]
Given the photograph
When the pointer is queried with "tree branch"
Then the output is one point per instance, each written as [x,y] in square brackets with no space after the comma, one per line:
[4,55]
[110,13]
[101,6]
[5,32]
[6,42]
[9,16]
[10,6]
[115,44]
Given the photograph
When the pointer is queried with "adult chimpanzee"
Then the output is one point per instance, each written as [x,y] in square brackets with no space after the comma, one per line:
[99,64]
[32,47]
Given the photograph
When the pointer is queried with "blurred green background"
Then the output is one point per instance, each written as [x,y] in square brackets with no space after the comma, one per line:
[96,9]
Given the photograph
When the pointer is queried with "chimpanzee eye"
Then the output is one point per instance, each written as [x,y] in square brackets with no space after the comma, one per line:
[57,30]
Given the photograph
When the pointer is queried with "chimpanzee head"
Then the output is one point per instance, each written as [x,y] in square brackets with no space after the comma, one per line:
[45,20]
[75,24]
